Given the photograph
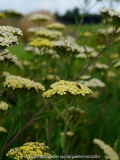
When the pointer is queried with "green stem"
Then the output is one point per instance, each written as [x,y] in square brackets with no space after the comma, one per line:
[65,134]
[59,112]
[10,131]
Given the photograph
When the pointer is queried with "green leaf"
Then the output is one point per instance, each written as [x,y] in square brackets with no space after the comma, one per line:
[62,141]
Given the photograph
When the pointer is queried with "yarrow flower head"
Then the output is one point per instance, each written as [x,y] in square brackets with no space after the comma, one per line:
[66,90]
[64,47]
[110,13]
[94,83]
[108,150]
[39,18]
[52,35]
[3,106]
[56,26]
[40,42]
[18,83]
[2,129]
[31,150]
[69,134]
[7,57]
[8,36]
[12,13]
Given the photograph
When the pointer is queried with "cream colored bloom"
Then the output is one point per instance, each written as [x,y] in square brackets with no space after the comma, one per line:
[117,65]
[65,87]
[2,129]
[39,17]
[52,35]
[3,106]
[56,26]
[100,66]
[93,83]
[108,150]
[17,82]
[69,134]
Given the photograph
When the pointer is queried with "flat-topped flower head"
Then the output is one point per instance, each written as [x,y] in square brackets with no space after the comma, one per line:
[67,90]
[100,66]
[18,83]
[85,34]
[2,15]
[2,129]
[40,42]
[12,13]
[33,30]
[56,26]
[69,134]
[94,83]
[117,65]
[52,35]
[108,150]
[8,36]
[110,13]
[81,56]
[3,106]
[39,18]
[32,150]
[64,47]
[7,58]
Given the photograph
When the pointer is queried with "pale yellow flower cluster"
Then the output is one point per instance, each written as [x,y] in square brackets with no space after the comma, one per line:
[94,83]
[108,150]
[52,35]
[111,74]
[69,134]
[26,63]
[85,34]
[39,17]
[65,87]
[111,13]
[66,47]
[35,29]
[40,42]
[17,82]
[7,57]
[50,77]
[93,54]
[2,129]
[95,95]
[100,66]
[3,106]
[2,15]
[81,56]
[107,31]
[13,13]
[56,26]
[117,65]
[85,77]
[68,38]
[5,74]
[114,55]
[32,150]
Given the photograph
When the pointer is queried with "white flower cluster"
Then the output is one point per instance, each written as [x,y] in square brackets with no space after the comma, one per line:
[8,36]
[3,106]
[35,29]
[39,17]
[17,82]
[13,13]
[107,31]
[111,13]
[52,35]
[108,150]
[66,47]
[93,83]
[7,57]
[100,66]
[56,26]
